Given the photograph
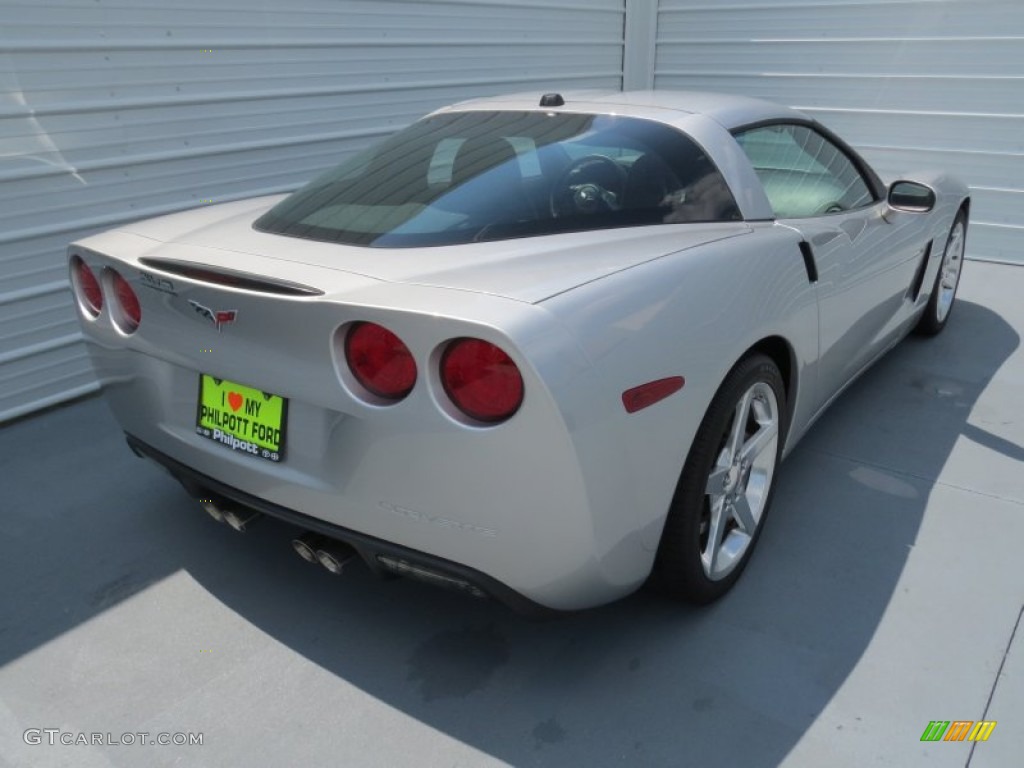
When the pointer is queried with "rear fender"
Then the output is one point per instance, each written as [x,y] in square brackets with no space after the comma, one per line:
[692,314]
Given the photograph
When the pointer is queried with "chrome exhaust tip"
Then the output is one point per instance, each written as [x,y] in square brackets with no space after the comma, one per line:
[334,556]
[210,507]
[306,545]
[240,519]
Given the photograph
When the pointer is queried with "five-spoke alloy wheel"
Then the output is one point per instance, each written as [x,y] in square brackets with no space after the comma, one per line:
[940,304]
[726,484]
[738,484]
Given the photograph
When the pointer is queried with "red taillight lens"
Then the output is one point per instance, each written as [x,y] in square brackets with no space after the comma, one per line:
[86,286]
[481,380]
[128,302]
[380,361]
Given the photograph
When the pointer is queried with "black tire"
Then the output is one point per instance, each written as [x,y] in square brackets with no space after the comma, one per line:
[936,314]
[681,565]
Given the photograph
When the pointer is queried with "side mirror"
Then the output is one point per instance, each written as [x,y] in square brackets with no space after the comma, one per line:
[911,197]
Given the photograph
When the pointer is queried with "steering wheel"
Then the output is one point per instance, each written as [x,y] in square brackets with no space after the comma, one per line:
[833,207]
[592,184]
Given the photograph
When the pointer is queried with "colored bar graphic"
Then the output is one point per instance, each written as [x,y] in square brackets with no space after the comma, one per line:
[958,730]
[982,730]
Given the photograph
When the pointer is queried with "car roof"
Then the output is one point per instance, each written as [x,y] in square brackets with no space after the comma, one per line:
[729,110]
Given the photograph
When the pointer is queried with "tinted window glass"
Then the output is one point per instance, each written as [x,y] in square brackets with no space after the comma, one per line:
[473,176]
[803,173]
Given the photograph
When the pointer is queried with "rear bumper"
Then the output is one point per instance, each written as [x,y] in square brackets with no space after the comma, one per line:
[544,504]
[369,548]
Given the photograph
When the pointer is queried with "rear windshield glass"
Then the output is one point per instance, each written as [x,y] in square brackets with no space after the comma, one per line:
[476,176]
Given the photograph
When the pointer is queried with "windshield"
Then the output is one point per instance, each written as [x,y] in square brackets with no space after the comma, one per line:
[475,176]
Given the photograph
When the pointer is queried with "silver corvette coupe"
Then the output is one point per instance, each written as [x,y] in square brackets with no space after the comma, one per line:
[541,348]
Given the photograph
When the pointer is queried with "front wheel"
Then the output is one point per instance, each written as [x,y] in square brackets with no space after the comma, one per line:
[940,304]
[726,485]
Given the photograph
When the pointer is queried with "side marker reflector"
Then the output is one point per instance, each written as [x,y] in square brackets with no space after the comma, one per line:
[638,398]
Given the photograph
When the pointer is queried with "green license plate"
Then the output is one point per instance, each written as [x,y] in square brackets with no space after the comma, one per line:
[242,418]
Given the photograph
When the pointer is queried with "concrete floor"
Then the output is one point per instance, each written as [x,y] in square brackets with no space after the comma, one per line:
[884,594]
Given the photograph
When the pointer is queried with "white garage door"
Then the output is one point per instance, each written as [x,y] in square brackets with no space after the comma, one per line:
[914,84]
[113,114]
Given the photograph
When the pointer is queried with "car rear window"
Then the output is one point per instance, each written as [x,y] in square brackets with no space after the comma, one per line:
[477,176]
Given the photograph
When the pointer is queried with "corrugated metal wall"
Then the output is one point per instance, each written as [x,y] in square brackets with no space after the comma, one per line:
[113,111]
[912,83]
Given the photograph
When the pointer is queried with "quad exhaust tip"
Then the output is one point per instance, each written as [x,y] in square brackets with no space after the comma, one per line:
[307,544]
[332,555]
[240,519]
[236,517]
[211,508]
[312,547]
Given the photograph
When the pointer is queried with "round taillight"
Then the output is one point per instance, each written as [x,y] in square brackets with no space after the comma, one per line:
[379,360]
[481,380]
[128,302]
[86,286]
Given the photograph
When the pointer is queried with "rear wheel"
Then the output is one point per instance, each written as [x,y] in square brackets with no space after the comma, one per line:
[726,485]
[940,304]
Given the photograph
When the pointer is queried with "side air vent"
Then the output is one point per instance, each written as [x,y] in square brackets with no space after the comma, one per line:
[809,263]
[915,287]
[229,277]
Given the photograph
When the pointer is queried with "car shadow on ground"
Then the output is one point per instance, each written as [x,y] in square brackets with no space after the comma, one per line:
[642,681]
